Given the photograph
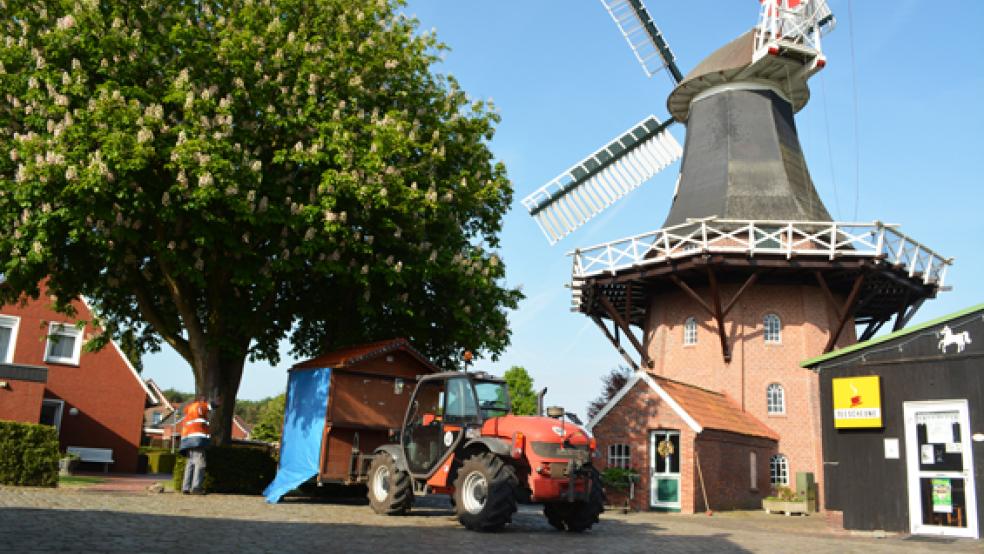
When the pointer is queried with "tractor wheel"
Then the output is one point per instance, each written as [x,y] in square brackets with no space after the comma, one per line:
[581,515]
[390,489]
[485,492]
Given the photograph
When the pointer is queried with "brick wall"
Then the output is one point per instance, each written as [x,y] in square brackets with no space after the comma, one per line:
[726,461]
[806,325]
[21,401]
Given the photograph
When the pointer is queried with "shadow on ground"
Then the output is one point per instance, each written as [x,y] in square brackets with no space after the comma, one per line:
[33,529]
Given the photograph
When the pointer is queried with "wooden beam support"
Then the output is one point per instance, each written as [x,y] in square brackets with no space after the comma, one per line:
[615,342]
[845,313]
[719,315]
[690,292]
[748,282]
[872,328]
[826,292]
[624,326]
[911,312]
[900,313]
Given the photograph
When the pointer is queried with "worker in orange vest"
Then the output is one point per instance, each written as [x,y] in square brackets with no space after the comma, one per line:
[194,438]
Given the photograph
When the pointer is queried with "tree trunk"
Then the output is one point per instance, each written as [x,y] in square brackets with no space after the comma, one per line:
[220,383]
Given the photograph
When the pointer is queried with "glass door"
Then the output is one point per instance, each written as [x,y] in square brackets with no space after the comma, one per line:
[664,465]
[939,462]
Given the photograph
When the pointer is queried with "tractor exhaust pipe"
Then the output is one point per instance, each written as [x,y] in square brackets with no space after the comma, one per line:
[539,401]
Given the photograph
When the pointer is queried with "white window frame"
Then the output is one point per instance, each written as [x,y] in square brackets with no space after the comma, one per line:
[690,331]
[619,455]
[13,322]
[767,333]
[779,470]
[65,329]
[775,399]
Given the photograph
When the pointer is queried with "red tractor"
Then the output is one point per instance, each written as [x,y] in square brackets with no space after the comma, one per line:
[458,438]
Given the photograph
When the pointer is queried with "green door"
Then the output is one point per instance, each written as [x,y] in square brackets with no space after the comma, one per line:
[664,466]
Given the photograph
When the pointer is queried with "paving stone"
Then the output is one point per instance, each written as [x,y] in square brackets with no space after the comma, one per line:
[67,520]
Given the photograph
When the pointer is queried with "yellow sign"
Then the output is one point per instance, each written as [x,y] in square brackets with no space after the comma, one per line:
[857,402]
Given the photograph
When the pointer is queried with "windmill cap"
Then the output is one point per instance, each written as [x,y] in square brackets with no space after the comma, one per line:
[782,66]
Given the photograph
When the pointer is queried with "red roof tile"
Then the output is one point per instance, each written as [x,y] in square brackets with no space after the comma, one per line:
[713,410]
[349,355]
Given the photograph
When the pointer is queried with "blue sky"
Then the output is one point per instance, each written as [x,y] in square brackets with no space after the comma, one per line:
[565,83]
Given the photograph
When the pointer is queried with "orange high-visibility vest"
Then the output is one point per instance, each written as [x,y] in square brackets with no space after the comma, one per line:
[195,423]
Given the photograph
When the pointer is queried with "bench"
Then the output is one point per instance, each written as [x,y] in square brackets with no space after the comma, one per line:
[96,455]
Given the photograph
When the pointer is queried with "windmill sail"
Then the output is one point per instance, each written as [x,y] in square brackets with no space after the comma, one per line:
[591,185]
[643,36]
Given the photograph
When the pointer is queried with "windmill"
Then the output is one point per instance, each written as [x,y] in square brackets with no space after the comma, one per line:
[745,209]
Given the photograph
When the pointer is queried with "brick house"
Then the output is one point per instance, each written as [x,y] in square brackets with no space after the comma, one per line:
[689,433]
[155,414]
[93,399]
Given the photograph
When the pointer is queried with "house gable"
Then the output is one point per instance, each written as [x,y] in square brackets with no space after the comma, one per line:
[654,386]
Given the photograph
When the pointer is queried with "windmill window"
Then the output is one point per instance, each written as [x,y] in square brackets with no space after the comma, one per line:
[775,398]
[690,331]
[8,337]
[779,470]
[773,329]
[64,344]
[619,455]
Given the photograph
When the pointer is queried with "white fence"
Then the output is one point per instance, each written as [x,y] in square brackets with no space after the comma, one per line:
[812,239]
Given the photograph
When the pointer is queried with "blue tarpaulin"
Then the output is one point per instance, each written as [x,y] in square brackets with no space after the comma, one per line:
[304,424]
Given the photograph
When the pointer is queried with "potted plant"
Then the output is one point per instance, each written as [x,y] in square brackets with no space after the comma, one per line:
[784,500]
[68,464]
[619,483]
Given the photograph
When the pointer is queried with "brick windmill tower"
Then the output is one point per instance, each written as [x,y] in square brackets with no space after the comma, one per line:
[747,277]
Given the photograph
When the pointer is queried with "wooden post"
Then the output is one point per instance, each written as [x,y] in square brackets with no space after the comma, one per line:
[845,313]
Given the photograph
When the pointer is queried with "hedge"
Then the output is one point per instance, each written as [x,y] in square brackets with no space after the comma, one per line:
[28,454]
[233,469]
[161,461]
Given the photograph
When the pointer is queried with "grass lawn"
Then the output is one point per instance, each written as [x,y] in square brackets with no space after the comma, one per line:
[79,480]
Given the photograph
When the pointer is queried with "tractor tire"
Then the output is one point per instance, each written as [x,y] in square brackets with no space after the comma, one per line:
[390,489]
[485,492]
[581,515]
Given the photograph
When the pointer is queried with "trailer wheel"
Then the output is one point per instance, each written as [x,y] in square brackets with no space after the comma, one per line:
[485,492]
[581,515]
[390,489]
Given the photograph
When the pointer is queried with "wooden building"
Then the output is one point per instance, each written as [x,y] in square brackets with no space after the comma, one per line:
[903,428]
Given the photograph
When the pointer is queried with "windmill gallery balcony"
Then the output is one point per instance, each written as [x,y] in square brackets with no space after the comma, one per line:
[868,271]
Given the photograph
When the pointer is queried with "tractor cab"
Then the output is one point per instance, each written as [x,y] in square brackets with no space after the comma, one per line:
[446,409]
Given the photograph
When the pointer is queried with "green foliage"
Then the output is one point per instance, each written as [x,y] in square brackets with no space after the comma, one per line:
[161,461]
[270,420]
[28,454]
[785,494]
[249,410]
[612,382]
[177,397]
[618,478]
[234,469]
[521,391]
[225,175]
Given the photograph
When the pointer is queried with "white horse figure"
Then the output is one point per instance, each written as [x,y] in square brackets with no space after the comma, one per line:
[949,337]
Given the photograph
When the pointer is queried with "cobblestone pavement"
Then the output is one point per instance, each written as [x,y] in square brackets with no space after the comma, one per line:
[79,520]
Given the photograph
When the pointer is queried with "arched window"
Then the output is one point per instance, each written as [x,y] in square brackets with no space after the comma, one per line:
[775,399]
[773,329]
[779,470]
[690,331]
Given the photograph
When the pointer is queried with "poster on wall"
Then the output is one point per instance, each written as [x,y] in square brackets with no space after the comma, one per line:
[942,497]
[857,402]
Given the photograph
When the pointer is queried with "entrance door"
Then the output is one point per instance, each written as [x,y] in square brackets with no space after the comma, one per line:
[664,482]
[942,499]
[51,413]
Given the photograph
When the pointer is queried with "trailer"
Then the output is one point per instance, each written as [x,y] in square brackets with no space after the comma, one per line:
[340,407]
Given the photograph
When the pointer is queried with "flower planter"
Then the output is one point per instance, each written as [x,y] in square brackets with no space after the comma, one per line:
[67,465]
[788,507]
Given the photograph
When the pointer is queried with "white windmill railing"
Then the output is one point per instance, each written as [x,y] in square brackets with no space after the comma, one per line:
[797,21]
[817,239]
